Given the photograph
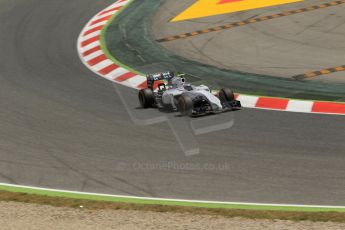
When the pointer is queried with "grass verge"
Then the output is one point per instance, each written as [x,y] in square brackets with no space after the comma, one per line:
[60,198]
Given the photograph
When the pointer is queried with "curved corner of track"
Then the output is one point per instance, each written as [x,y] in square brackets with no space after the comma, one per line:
[92,51]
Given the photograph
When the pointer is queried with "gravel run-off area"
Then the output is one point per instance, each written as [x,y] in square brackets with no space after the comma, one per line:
[15,215]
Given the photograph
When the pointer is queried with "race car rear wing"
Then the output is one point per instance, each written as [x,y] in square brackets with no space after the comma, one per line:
[153,80]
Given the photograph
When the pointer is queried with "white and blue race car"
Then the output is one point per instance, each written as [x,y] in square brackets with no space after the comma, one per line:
[166,90]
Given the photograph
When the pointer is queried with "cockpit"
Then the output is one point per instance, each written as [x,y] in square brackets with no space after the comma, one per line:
[188,87]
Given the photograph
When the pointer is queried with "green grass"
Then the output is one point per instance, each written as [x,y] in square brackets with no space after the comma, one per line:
[95,202]
[133,200]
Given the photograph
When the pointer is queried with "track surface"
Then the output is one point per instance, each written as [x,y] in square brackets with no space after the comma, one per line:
[62,127]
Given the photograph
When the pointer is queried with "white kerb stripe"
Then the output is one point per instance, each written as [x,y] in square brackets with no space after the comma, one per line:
[116,73]
[101,23]
[116,4]
[106,14]
[248,101]
[93,55]
[300,106]
[134,81]
[94,34]
[89,46]
[101,65]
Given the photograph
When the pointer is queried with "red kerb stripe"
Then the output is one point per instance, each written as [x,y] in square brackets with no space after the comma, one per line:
[142,85]
[108,69]
[90,51]
[90,40]
[98,28]
[97,60]
[101,20]
[328,107]
[272,103]
[125,77]
[110,10]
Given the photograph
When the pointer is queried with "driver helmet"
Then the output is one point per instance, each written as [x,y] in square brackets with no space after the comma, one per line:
[178,82]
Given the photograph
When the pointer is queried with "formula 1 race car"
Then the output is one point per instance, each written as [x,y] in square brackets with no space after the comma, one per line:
[166,90]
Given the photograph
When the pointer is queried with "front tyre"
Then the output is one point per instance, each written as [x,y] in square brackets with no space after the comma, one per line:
[146,98]
[185,105]
[226,95]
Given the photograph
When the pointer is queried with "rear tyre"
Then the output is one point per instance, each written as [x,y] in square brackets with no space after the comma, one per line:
[146,98]
[185,105]
[226,95]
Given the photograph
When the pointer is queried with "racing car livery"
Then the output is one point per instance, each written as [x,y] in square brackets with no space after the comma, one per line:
[166,90]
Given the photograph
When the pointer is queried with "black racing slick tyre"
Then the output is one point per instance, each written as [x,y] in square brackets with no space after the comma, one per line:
[226,94]
[185,105]
[146,98]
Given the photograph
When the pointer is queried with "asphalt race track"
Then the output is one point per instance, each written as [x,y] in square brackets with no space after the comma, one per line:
[63,127]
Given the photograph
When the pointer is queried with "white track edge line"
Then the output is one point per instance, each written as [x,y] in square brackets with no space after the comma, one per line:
[172,200]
